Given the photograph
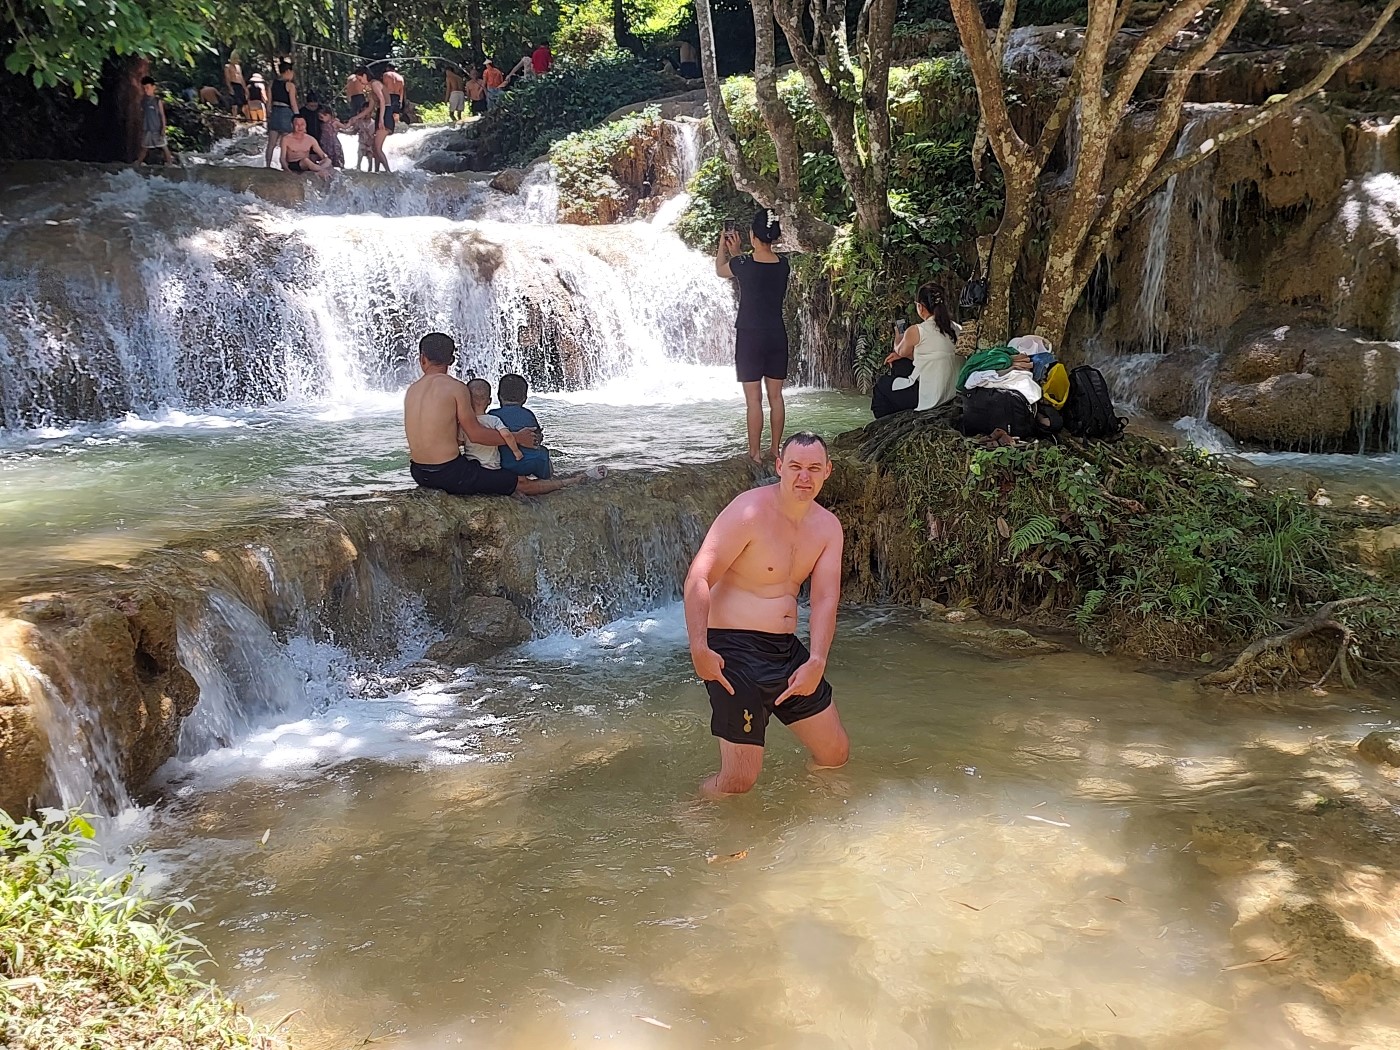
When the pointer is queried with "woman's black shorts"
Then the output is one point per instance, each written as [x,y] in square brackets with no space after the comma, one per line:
[760,353]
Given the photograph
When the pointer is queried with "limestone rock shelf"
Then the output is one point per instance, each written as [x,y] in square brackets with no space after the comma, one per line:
[104,643]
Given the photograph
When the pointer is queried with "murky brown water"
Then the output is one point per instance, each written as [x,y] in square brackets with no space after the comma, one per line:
[1049,852]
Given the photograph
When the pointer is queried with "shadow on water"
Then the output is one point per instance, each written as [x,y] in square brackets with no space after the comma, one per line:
[1049,852]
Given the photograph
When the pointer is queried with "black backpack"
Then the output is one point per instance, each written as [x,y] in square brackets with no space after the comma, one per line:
[1089,410]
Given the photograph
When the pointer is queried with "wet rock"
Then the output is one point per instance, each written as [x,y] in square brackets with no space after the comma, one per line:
[441,162]
[983,638]
[485,627]
[1381,746]
[107,639]
[508,181]
[1299,387]
[1378,548]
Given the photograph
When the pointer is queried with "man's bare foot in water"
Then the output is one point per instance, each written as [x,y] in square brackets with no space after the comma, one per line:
[755,458]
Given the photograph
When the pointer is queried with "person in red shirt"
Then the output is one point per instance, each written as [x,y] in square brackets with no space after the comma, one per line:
[542,59]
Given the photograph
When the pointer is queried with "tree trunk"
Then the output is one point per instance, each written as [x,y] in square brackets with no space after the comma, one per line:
[622,30]
[116,125]
[478,52]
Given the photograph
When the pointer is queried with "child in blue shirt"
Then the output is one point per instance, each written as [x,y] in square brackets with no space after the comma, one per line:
[533,462]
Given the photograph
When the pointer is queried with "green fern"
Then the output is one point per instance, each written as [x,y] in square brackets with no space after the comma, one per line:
[1035,531]
[1088,609]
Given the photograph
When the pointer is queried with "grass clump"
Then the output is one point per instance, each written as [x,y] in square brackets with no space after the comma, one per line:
[89,963]
[1136,548]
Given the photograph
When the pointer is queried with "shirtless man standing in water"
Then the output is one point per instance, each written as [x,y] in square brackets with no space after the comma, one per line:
[437,412]
[741,615]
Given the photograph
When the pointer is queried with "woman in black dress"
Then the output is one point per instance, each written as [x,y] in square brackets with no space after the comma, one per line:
[760,337]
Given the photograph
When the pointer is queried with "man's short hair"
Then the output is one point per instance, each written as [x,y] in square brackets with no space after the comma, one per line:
[804,438]
[438,348]
[512,389]
[147,80]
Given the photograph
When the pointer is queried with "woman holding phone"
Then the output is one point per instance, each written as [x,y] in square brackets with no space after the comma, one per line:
[924,363]
[760,337]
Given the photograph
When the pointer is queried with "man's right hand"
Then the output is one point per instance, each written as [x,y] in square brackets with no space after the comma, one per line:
[709,665]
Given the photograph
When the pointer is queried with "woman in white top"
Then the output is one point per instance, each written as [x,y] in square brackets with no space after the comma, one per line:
[931,346]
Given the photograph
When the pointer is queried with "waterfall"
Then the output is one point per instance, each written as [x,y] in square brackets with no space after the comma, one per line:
[225,300]
[1182,224]
[84,765]
[244,675]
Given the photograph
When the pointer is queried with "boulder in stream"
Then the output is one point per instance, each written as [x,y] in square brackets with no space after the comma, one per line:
[486,626]
[1295,386]
[1381,746]
[508,181]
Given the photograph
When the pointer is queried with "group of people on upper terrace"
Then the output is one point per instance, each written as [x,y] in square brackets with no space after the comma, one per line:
[303,132]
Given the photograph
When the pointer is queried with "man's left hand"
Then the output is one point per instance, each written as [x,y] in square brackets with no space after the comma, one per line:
[804,681]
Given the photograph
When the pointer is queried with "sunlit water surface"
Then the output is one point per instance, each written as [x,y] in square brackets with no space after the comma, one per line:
[104,492]
[514,857]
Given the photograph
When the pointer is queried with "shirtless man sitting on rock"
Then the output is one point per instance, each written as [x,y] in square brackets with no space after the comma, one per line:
[741,616]
[437,413]
[303,154]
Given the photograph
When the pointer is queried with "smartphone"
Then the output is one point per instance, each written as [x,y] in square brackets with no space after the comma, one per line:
[731,226]
[900,327]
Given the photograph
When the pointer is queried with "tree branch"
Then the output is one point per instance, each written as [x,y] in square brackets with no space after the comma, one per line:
[979,140]
[1269,110]
[1147,48]
[1125,196]
[987,76]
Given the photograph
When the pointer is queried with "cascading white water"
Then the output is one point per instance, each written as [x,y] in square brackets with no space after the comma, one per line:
[1189,195]
[225,300]
[84,766]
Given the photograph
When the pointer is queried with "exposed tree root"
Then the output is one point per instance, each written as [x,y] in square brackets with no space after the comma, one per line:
[1273,660]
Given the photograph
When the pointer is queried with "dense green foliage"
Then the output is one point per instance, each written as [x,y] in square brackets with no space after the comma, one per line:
[938,204]
[1137,548]
[88,962]
[713,199]
[66,42]
[541,111]
[585,165]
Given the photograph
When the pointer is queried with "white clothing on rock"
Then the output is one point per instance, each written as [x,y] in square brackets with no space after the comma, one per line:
[1017,379]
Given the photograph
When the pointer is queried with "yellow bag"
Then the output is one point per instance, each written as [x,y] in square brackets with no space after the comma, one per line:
[1055,389]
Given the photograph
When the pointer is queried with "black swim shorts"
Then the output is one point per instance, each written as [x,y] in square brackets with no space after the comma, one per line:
[760,353]
[464,476]
[296,165]
[758,666]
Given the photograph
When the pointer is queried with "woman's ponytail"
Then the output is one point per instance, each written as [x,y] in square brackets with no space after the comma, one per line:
[931,298]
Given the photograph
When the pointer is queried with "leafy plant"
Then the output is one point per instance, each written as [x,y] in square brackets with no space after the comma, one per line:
[587,166]
[90,962]
[531,117]
[1137,548]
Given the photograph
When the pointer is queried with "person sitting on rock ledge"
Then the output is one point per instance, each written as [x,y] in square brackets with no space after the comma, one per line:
[534,457]
[489,456]
[437,409]
[302,154]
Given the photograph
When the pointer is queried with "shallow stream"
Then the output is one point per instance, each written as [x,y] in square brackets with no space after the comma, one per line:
[1021,853]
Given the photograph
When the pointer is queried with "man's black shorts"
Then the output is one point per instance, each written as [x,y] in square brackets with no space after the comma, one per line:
[760,353]
[758,666]
[464,476]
